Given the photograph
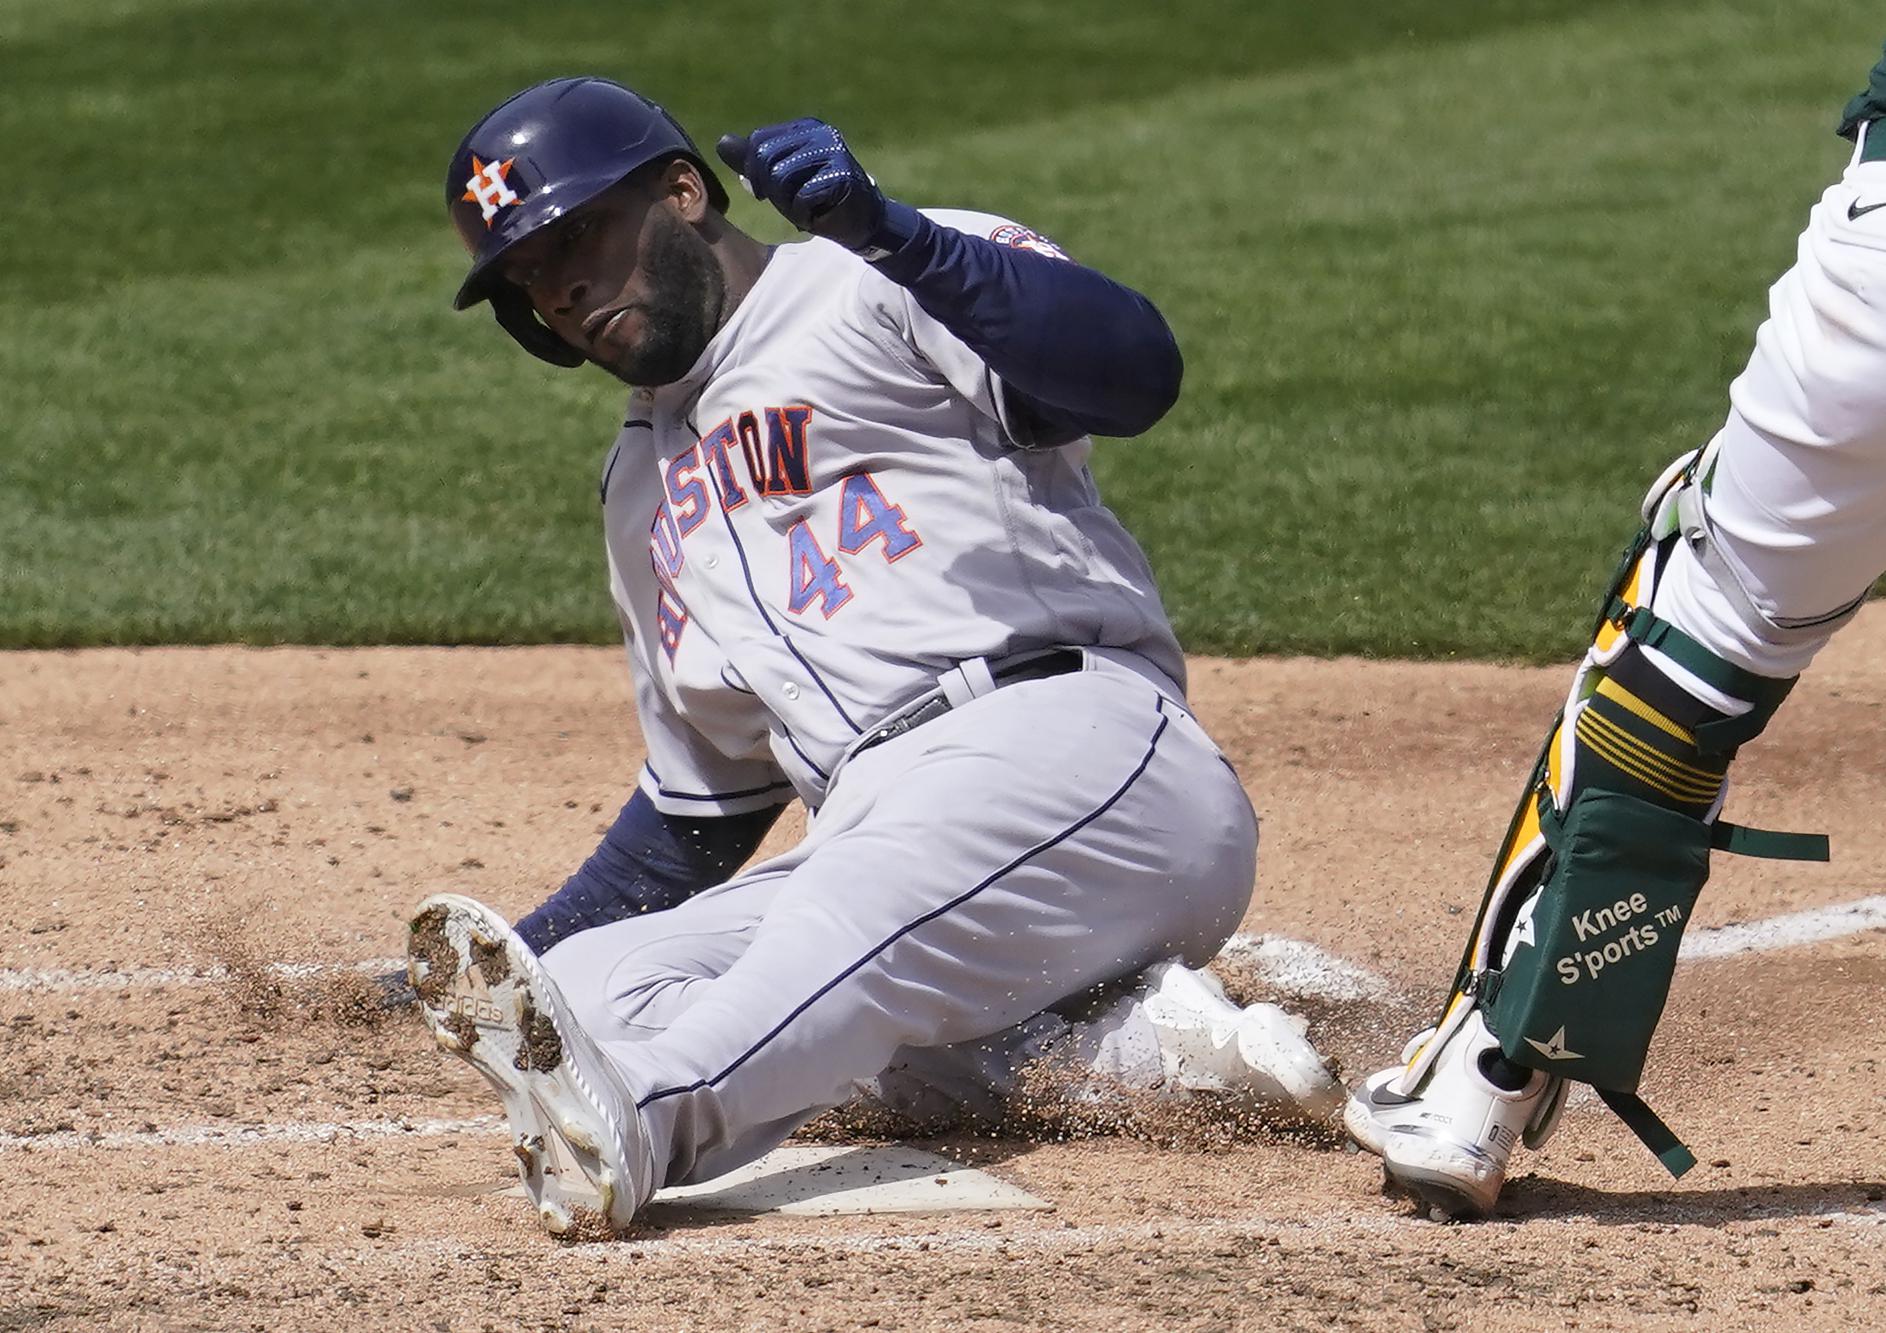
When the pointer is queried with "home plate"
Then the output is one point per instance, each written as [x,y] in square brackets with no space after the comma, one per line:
[825,1180]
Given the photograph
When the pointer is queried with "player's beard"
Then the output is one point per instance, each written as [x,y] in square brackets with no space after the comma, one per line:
[683,308]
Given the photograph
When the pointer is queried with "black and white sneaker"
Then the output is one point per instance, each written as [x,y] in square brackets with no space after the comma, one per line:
[1448,1140]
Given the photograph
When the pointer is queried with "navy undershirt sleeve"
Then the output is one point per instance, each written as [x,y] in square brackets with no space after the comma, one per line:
[1086,354]
[648,862]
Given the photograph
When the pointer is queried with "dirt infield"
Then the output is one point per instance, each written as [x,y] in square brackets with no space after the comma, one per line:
[260,1151]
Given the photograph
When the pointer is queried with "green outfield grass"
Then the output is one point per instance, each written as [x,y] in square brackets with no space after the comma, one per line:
[1453,281]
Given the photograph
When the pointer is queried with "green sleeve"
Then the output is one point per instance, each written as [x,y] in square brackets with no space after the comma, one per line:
[1869,105]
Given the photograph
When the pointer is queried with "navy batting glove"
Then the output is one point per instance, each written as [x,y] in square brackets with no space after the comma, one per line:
[804,169]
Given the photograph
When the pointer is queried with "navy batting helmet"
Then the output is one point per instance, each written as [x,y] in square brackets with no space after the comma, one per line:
[550,149]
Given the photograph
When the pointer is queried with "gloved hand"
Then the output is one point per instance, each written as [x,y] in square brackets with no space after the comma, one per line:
[804,169]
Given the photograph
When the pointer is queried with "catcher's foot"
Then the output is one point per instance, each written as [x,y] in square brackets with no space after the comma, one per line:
[1448,1143]
[488,1001]
[1208,1043]
[1369,1109]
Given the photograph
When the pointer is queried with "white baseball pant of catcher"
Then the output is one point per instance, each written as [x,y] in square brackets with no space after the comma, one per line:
[1797,503]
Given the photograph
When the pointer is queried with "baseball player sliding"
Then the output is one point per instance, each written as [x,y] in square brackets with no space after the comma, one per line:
[859,560]
[1756,548]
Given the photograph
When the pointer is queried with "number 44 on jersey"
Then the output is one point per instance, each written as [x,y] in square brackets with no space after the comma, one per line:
[775,460]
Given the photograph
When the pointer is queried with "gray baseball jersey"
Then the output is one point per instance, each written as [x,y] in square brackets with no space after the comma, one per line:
[826,512]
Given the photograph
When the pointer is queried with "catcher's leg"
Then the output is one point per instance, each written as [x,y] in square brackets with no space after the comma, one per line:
[1753,555]
[1565,975]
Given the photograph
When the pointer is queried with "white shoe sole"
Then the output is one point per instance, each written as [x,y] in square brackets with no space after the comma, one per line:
[488,1002]
[1359,1112]
[1451,1177]
[1458,1179]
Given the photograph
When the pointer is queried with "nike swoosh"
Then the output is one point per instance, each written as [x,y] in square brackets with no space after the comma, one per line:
[1855,212]
[1383,1097]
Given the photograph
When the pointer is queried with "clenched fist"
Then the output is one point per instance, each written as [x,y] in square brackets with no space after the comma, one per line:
[805,170]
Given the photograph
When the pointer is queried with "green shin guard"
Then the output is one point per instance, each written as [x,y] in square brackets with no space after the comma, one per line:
[1576,942]
[1592,955]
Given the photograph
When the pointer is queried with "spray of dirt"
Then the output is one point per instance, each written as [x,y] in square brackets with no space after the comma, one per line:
[864,1121]
[1056,1105]
[1052,1105]
[252,970]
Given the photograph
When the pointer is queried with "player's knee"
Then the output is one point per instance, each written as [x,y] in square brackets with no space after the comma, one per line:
[1670,673]
[1698,576]
[1207,865]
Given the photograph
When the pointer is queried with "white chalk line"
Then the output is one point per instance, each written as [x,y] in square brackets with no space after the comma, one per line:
[72,979]
[1301,968]
[1292,965]
[1784,932]
[238,1136]
[1038,1234]
[1296,966]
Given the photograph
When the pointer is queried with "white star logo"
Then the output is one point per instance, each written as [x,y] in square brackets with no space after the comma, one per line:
[1553,1047]
[1523,932]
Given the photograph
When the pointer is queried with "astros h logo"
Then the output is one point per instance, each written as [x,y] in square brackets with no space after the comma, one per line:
[487,187]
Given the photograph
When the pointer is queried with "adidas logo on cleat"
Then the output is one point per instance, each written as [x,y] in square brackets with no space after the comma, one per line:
[480,1009]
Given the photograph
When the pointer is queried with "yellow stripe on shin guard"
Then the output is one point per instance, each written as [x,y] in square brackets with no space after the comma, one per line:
[1648,765]
[1615,692]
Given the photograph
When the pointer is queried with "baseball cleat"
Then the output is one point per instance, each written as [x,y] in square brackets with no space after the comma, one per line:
[487,1001]
[1448,1142]
[1358,1116]
[1209,1044]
